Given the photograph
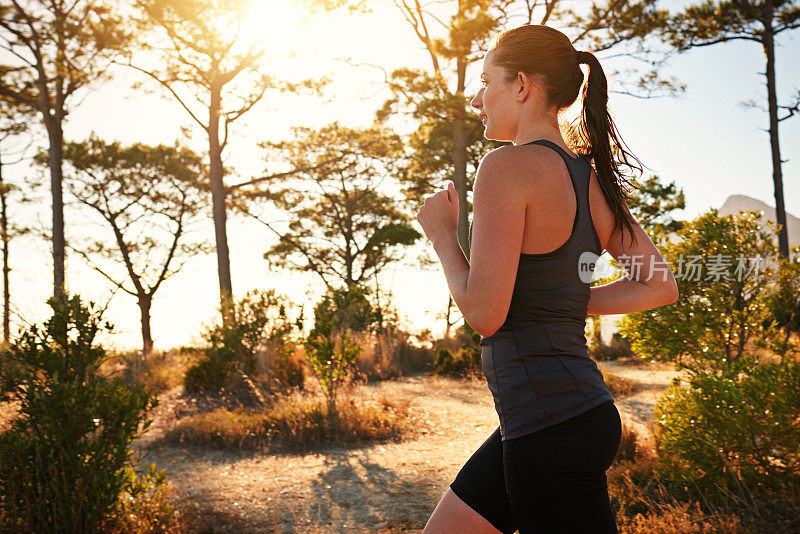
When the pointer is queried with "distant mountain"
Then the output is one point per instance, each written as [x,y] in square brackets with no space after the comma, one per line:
[734,203]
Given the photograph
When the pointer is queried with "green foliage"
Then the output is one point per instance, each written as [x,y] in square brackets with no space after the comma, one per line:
[735,429]
[464,361]
[62,462]
[735,424]
[444,362]
[783,308]
[261,324]
[208,374]
[718,313]
[143,507]
[464,358]
[330,346]
[344,226]
[653,204]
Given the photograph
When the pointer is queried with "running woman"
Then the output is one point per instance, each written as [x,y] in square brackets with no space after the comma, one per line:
[542,214]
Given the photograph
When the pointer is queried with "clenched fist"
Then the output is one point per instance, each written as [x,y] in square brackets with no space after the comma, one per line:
[439,213]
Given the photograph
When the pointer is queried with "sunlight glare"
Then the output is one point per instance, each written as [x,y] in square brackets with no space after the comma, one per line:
[273,23]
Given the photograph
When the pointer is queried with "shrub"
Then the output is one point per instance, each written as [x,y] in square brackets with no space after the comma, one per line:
[260,327]
[388,353]
[619,347]
[735,429]
[62,462]
[735,425]
[719,312]
[331,346]
[413,359]
[143,507]
[463,362]
[460,355]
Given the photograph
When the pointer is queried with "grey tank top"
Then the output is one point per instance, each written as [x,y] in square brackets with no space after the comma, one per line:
[536,364]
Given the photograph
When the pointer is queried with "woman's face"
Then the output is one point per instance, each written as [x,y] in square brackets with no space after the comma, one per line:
[496,102]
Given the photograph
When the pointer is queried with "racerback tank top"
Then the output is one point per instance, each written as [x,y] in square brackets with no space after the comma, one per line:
[537,365]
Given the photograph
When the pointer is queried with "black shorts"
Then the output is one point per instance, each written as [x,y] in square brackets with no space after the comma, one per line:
[547,482]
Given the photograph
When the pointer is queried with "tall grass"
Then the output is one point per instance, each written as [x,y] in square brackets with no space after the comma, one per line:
[296,422]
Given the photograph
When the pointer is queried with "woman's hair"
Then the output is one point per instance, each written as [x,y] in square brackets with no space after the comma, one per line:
[547,55]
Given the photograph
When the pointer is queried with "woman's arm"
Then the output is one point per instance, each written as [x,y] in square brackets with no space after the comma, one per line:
[482,288]
[649,282]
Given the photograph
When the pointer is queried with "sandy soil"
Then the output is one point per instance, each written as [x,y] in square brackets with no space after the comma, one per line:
[387,487]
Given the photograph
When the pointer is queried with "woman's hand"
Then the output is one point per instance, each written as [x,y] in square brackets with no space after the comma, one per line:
[439,214]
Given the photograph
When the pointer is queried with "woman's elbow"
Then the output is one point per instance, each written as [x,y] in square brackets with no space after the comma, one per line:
[487,324]
[672,294]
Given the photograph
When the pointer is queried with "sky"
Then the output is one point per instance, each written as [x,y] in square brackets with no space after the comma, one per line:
[704,140]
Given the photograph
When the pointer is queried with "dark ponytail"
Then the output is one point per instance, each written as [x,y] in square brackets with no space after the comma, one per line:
[597,137]
[544,52]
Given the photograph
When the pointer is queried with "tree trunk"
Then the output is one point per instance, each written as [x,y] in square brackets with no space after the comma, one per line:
[460,158]
[55,158]
[218,200]
[447,322]
[145,302]
[777,174]
[4,222]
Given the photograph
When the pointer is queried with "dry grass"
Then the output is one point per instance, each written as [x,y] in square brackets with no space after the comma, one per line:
[646,504]
[631,446]
[160,371]
[296,422]
[389,355]
[683,518]
[619,386]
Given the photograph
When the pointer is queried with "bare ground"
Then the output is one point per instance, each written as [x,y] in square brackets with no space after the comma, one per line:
[383,487]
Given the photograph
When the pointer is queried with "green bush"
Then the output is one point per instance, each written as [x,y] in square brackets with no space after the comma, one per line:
[63,460]
[464,361]
[735,428]
[331,346]
[209,374]
[143,507]
[721,311]
[260,327]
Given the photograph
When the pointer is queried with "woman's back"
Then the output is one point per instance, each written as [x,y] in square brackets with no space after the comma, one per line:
[537,364]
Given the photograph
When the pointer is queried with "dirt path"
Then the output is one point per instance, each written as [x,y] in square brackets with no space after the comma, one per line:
[637,410]
[389,487]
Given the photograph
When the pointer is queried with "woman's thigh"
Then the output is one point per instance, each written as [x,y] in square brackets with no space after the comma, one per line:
[555,478]
[481,486]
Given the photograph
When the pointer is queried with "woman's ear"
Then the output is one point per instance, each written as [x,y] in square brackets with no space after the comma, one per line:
[525,86]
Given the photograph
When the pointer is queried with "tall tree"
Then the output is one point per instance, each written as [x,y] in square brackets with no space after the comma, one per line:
[206,64]
[344,227]
[14,121]
[716,21]
[55,49]
[654,203]
[148,197]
